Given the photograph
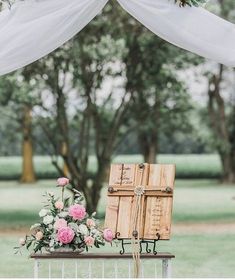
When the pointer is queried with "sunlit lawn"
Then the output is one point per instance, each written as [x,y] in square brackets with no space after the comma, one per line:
[198,254]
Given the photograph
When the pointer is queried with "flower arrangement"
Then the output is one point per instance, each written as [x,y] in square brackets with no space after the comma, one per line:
[65,225]
[183,3]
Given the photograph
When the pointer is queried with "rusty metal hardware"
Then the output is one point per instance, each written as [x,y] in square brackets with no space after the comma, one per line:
[168,190]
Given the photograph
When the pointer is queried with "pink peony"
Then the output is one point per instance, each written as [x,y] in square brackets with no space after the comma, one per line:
[39,235]
[60,223]
[77,211]
[89,241]
[108,235]
[62,181]
[65,235]
[90,223]
[59,205]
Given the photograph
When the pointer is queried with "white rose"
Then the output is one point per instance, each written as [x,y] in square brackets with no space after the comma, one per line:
[83,229]
[43,213]
[35,226]
[48,219]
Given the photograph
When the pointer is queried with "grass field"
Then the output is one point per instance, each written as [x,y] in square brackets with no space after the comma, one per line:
[194,201]
[203,238]
[188,166]
[197,255]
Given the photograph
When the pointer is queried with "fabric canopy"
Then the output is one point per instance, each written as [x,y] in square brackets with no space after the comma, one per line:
[33,28]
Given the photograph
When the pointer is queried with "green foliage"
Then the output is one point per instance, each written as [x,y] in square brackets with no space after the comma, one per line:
[190,3]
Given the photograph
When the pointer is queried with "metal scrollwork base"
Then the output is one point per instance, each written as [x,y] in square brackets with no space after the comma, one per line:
[148,250]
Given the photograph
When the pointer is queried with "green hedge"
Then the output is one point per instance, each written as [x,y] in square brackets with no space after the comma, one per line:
[187,166]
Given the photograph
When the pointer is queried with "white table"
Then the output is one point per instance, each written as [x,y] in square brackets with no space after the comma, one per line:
[115,258]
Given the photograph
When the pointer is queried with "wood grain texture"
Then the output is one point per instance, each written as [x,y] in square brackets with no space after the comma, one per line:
[115,177]
[112,207]
[124,216]
[74,255]
[111,216]
[156,203]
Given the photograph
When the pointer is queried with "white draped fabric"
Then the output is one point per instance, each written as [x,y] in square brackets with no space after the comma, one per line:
[34,28]
[191,28]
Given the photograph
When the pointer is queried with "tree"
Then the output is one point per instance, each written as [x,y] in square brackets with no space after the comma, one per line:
[221,109]
[160,99]
[17,93]
[81,68]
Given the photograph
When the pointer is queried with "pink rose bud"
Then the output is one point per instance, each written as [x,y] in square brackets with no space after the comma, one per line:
[60,223]
[22,241]
[77,211]
[59,205]
[90,223]
[65,235]
[108,235]
[62,181]
[89,241]
[39,235]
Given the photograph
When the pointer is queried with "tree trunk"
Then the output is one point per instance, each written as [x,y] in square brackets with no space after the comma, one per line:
[28,173]
[92,198]
[148,146]
[92,194]
[228,164]
[219,124]
[64,153]
[150,156]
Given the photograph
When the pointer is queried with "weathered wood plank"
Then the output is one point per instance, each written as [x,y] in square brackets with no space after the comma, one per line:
[115,178]
[112,208]
[111,216]
[159,207]
[74,255]
[156,203]
[124,216]
[141,178]
[126,202]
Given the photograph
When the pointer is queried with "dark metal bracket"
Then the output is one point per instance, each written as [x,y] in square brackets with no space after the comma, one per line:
[148,250]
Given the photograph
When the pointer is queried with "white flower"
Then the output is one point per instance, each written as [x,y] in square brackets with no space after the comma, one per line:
[35,226]
[52,242]
[95,232]
[48,219]
[83,229]
[74,226]
[43,213]
[63,214]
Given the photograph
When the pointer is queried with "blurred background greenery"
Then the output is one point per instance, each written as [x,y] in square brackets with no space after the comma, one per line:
[118,93]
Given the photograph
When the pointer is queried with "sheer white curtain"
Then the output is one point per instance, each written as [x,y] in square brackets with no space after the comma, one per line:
[34,28]
[191,28]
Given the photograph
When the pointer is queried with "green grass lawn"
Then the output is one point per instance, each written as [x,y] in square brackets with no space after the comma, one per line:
[194,201]
[198,254]
[188,166]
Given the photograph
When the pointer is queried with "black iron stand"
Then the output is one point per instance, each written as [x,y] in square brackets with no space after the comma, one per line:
[148,250]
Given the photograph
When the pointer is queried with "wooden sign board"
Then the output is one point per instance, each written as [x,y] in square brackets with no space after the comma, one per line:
[156,202]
